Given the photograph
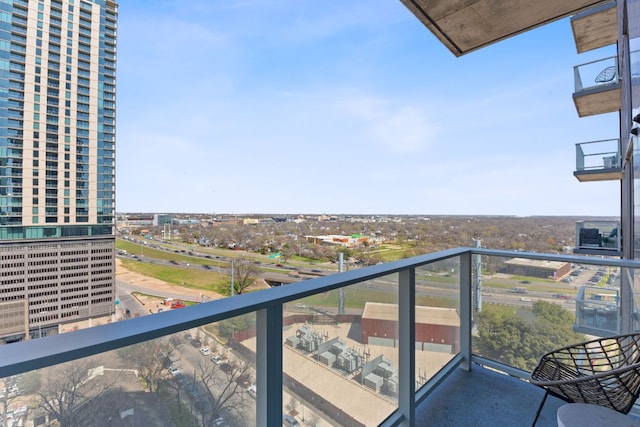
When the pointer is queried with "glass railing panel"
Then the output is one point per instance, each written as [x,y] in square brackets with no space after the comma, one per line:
[526,308]
[437,334]
[191,378]
[597,155]
[340,355]
[594,74]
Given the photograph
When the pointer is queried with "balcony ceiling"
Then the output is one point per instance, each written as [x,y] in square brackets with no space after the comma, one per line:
[598,100]
[466,25]
[610,174]
[595,28]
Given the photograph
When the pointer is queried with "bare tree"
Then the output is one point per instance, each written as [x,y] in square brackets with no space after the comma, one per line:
[224,388]
[150,358]
[66,388]
[244,272]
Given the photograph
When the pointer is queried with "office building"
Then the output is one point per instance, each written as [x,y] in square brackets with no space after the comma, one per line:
[57,164]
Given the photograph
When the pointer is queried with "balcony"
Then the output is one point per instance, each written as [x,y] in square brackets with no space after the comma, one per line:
[598,161]
[597,87]
[598,238]
[401,342]
[596,27]
[598,310]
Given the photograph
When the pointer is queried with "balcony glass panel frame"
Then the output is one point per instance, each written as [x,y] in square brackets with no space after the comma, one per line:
[598,74]
[268,306]
[598,155]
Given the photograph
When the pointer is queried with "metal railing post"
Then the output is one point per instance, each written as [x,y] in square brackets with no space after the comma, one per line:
[407,347]
[269,366]
[466,269]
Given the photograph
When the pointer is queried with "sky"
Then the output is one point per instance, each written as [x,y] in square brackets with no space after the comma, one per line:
[345,107]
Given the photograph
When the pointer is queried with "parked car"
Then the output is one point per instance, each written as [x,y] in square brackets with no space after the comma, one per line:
[289,421]
[205,351]
[216,359]
[173,370]
[252,391]
[177,304]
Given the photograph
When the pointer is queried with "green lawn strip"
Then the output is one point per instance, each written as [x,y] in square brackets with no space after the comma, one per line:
[186,277]
[356,298]
[534,286]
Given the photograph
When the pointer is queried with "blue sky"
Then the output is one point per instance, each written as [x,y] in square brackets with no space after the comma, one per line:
[339,106]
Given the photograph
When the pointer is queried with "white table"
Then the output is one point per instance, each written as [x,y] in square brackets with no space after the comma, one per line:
[585,415]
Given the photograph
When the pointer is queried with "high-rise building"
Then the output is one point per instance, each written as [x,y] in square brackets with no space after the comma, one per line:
[57,164]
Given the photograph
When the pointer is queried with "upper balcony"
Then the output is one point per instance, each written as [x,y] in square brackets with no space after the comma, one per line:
[596,27]
[597,87]
[470,25]
[403,342]
[598,161]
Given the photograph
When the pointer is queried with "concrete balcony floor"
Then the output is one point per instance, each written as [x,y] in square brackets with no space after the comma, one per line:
[482,397]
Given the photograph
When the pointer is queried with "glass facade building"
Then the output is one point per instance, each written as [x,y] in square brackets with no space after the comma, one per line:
[57,160]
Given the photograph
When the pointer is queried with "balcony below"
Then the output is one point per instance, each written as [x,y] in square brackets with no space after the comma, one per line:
[597,310]
[596,27]
[598,161]
[597,87]
[598,238]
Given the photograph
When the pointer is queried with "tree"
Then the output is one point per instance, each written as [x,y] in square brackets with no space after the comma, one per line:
[519,339]
[244,273]
[66,388]
[224,388]
[150,358]
[228,327]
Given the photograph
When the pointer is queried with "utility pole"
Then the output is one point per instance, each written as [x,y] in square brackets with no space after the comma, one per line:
[233,286]
[340,290]
[477,284]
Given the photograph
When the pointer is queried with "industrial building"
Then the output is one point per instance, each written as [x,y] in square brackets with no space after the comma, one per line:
[437,329]
[544,269]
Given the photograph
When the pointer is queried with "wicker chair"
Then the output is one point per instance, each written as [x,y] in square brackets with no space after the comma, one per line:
[603,372]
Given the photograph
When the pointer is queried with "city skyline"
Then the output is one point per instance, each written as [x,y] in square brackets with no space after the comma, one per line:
[345,108]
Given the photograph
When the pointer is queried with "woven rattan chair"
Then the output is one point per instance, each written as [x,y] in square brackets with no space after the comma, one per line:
[603,372]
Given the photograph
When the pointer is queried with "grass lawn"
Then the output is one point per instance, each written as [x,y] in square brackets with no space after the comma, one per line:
[189,278]
[355,298]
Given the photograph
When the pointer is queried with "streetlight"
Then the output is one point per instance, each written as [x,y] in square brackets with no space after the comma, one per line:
[44,312]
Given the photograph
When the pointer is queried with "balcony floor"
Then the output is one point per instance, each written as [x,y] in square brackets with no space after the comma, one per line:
[482,397]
